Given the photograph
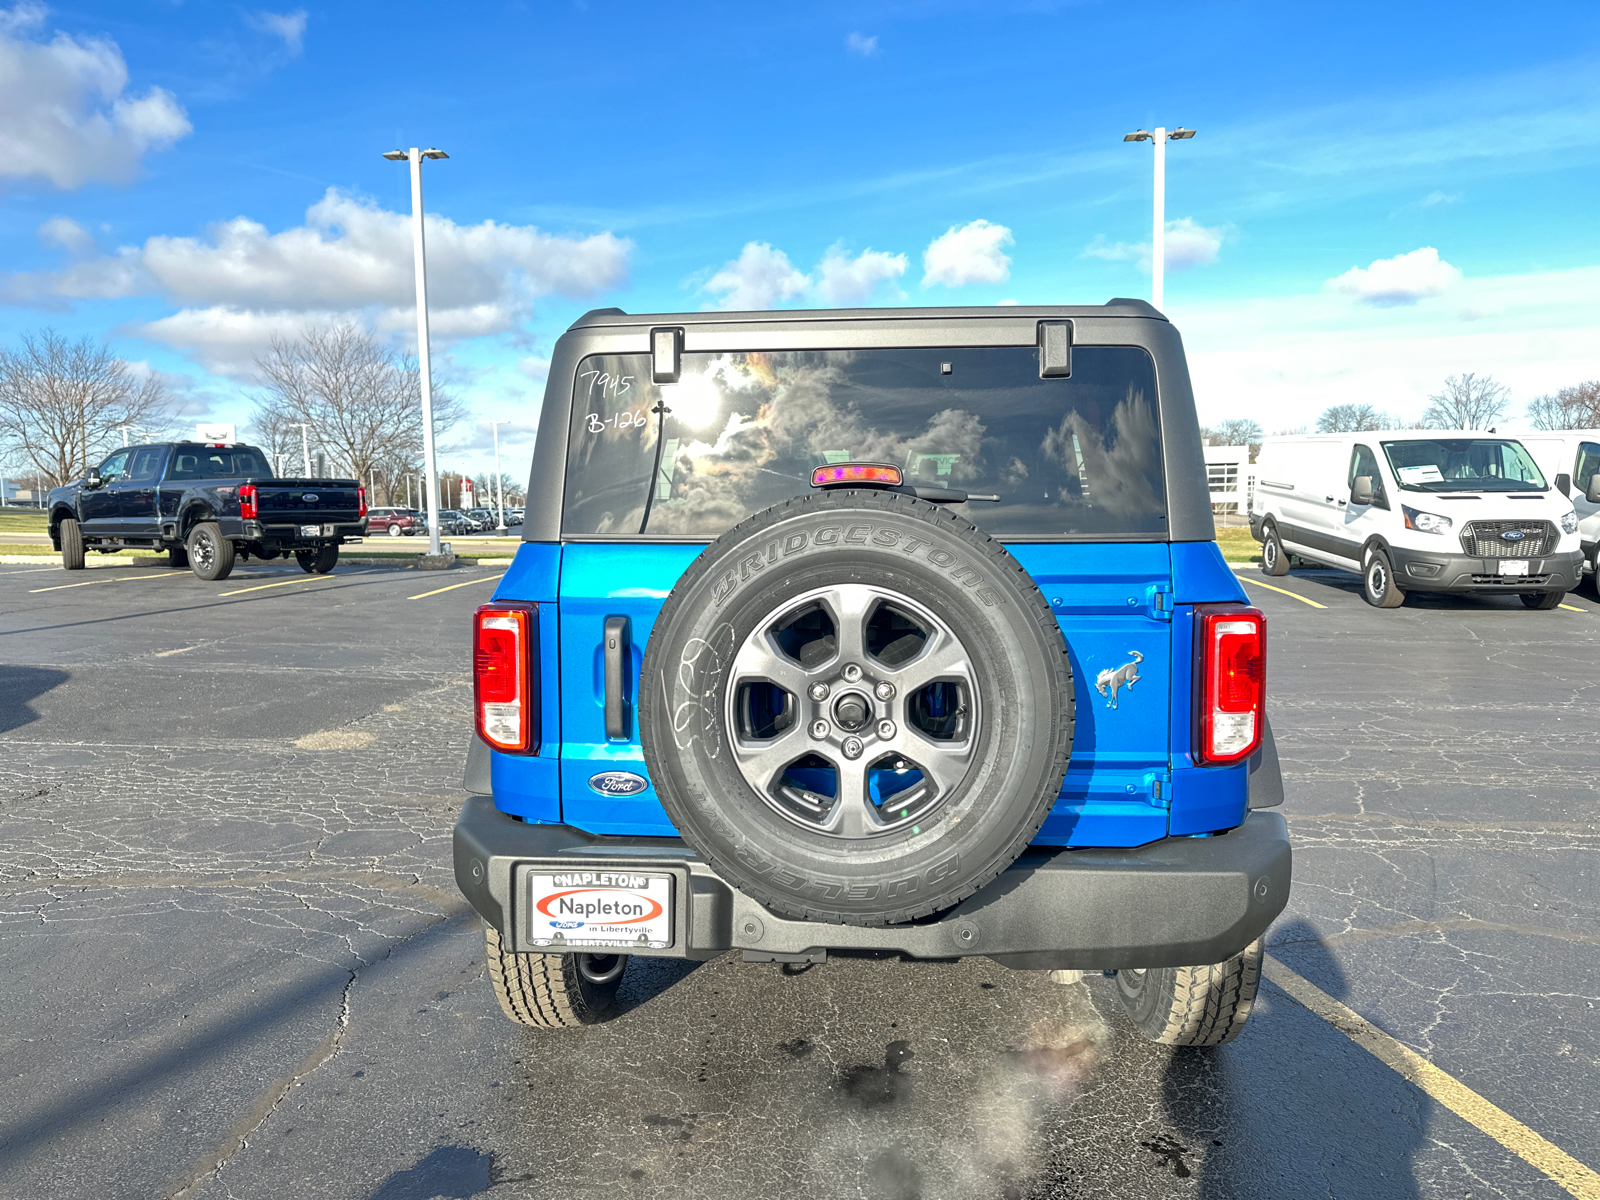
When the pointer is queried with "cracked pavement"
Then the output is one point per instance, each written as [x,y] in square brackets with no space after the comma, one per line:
[237,964]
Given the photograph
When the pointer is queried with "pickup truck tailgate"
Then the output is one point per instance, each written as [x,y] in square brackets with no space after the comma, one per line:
[320,500]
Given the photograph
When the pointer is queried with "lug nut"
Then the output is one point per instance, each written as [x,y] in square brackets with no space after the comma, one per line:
[852,747]
[884,691]
[819,691]
[819,729]
[852,672]
[886,729]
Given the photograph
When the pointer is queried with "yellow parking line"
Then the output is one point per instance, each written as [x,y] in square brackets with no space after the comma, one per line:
[1282,591]
[116,579]
[59,586]
[454,586]
[1575,1178]
[261,587]
[1569,608]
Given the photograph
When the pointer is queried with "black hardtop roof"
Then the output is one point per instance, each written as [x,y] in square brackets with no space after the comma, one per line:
[615,317]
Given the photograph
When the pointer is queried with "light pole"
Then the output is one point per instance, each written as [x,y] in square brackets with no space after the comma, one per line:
[1158,233]
[305,445]
[124,429]
[415,157]
[499,491]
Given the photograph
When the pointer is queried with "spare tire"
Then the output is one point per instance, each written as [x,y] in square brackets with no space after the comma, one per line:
[857,707]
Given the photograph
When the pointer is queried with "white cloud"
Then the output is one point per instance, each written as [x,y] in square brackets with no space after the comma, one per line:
[845,280]
[291,27]
[969,254]
[1432,199]
[1403,279]
[66,234]
[350,260]
[860,43]
[1188,244]
[759,278]
[534,367]
[67,115]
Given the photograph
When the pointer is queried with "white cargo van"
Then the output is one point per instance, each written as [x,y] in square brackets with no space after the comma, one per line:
[1417,510]
[1571,459]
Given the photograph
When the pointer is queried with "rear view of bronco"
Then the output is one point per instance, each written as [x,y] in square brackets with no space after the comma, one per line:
[890,630]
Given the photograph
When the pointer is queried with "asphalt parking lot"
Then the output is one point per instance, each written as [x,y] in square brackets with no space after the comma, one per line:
[237,965]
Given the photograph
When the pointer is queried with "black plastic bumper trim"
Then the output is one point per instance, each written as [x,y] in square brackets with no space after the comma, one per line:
[1559,572]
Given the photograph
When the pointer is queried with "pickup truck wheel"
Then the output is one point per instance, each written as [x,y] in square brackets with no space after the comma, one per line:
[1543,600]
[553,991]
[210,554]
[1193,1006]
[71,545]
[857,707]
[1274,558]
[1377,582]
[178,558]
[320,560]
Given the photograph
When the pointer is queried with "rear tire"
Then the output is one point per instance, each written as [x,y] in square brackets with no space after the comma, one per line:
[553,991]
[211,556]
[1274,558]
[71,545]
[1377,582]
[1193,1006]
[320,560]
[178,558]
[1543,601]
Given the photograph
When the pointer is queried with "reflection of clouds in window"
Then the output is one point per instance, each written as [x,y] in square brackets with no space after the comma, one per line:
[1119,468]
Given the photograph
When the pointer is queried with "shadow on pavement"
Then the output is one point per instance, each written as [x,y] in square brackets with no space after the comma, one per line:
[453,1172]
[19,688]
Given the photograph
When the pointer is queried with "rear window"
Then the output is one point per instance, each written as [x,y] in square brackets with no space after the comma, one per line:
[1078,457]
[206,462]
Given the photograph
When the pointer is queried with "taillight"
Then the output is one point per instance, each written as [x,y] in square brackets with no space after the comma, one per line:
[361,499]
[1232,682]
[505,676]
[247,502]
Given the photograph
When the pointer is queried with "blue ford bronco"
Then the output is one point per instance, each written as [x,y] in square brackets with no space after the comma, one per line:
[889,630]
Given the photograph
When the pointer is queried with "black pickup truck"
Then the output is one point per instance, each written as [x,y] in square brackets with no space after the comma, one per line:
[207,504]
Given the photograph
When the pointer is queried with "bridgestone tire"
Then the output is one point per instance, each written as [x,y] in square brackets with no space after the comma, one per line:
[1378,587]
[1274,558]
[1543,601]
[320,560]
[1019,726]
[1193,1006]
[211,556]
[71,545]
[552,991]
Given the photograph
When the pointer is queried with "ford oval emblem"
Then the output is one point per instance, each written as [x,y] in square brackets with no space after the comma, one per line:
[618,783]
[311,497]
[1513,535]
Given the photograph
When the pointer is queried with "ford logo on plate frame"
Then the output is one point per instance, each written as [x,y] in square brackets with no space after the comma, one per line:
[618,783]
[1512,535]
[311,497]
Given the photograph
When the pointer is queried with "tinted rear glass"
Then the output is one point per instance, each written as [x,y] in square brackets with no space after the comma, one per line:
[205,462]
[1075,457]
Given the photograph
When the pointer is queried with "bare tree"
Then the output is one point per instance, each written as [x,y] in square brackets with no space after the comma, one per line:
[1466,402]
[1240,431]
[1575,407]
[62,403]
[361,400]
[1352,418]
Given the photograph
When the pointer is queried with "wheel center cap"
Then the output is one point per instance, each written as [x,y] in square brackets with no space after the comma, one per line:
[851,711]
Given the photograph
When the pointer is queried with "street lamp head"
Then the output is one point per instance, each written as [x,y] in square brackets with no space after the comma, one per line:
[431,153]
[396,155]
[1180,134]
[1138,135]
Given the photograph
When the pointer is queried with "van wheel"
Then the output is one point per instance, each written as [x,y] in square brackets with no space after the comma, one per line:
[71,545]
[320,560]
[1274,558]
[211,555]
[1378,585]
[553,991]
[1542,600]
[1193,1006]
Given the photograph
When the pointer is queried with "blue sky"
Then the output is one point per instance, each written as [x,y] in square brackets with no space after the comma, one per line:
[1379,195]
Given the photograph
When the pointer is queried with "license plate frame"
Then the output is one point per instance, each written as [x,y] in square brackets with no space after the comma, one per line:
[574,916]
[310,530]
[1513,566]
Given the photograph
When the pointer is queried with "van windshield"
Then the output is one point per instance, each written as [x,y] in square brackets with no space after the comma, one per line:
[1067,457]
[1463,465]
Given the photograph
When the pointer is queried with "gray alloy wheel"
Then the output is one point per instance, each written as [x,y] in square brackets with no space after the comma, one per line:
[395,531]
[211,556]
[1274,558]
[1378,585]
[854,711]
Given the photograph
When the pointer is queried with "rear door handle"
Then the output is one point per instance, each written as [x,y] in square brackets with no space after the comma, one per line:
[616,650]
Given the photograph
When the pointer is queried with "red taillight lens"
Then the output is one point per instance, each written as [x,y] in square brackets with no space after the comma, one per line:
[247,502]
[505,676]
[1232,682]
[361,499]
[856,473]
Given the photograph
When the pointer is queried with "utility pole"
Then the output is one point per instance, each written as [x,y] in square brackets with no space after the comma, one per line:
[1158,231]
[499,491]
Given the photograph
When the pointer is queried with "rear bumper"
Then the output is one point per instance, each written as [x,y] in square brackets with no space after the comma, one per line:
[290,535]
[1421,571]
[1177,902]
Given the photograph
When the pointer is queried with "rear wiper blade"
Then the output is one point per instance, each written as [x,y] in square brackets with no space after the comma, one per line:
[938,495]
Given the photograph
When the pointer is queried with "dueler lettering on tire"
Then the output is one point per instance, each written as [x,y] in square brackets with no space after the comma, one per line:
[858,707]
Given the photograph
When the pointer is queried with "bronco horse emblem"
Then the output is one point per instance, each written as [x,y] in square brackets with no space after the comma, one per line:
[1112,678]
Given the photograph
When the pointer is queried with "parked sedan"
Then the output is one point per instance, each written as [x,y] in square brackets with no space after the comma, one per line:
[396,521]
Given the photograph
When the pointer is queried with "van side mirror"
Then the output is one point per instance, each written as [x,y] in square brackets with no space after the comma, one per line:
[1593,494]
[1361,490]
[1564,484]
[93,477]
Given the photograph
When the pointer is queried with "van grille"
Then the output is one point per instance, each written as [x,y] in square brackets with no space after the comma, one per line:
[1486,539]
